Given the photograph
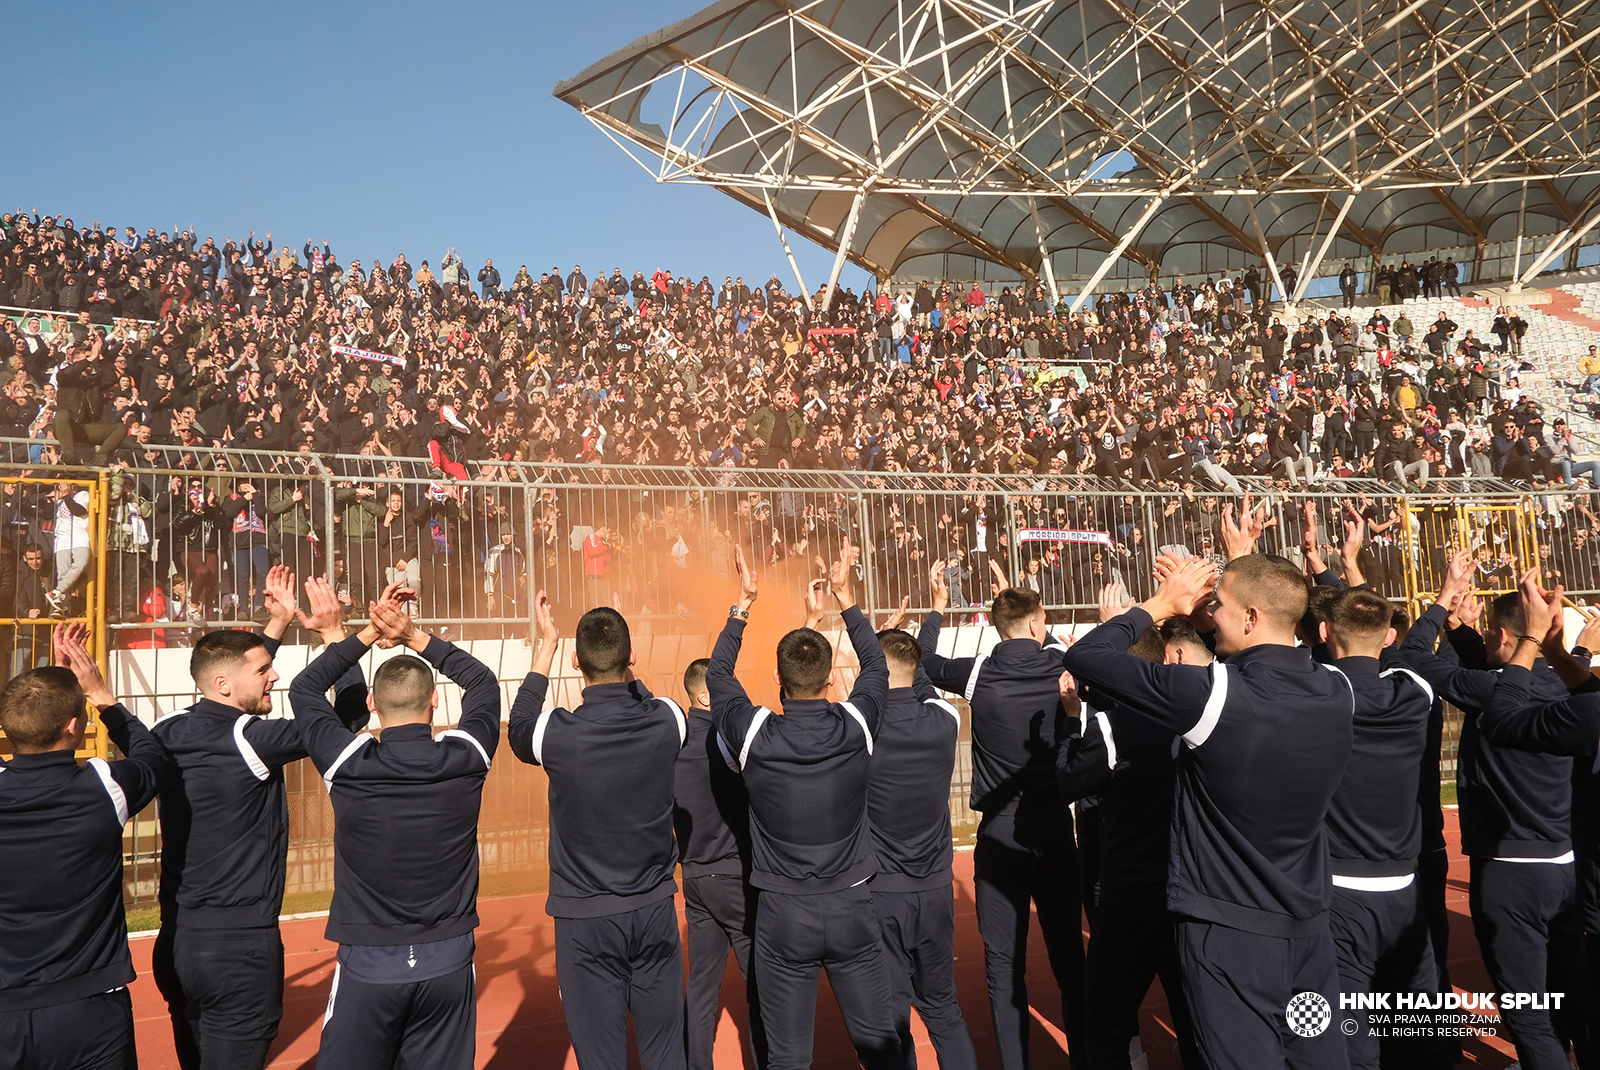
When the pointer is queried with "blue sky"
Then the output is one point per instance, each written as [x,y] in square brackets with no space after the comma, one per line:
[381,127]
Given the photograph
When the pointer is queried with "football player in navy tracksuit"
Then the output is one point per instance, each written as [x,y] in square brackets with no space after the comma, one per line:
[712,819]
[1569,726]
[1025,848]
[405,843]
[64,961]
[1516,827]
[1380,929]
[612,850]
[908,802]
[218,959]
[1265,737]
[1130,762]
[806,770]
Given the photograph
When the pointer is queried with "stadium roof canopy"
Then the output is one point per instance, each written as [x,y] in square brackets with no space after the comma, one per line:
[1126,138]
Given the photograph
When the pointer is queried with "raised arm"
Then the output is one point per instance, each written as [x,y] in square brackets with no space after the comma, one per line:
[731,708]
[1173,695]
[529,703]
[1471,688]
[948,673]
[480,691]
[1570,726]
[145,763]
[1355,536]
[870,694]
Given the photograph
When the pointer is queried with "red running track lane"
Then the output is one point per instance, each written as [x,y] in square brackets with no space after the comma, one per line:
[519,1009]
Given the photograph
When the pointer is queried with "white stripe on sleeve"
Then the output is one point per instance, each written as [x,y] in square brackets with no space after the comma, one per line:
[119,801]
[251,758]
[855,715]
[1213,708]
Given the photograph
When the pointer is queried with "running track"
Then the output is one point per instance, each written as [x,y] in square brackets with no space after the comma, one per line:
[519,1009]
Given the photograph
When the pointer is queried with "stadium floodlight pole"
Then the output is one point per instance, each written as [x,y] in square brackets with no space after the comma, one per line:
[1122,246]
[805,294]
[1312,263]
[844,247]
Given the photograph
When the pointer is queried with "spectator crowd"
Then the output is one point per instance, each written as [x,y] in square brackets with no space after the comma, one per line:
[136,351]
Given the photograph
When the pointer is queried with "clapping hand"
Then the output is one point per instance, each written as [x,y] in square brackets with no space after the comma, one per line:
[71,650]
[1114,601]
[747,579]
[326,613]
[816,602]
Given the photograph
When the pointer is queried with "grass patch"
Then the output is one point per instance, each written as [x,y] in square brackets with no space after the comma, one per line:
[1447,793]
[306,902]
[143,919]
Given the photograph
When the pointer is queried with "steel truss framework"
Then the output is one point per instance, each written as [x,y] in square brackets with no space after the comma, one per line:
[1145,133]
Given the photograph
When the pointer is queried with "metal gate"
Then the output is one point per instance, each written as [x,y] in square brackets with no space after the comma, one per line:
[1499,532]
[42,531]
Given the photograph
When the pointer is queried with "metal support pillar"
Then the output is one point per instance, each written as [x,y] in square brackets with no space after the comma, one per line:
[1044,255]
[805,294]
[1266,251]
[1312,263]
[1516,261]
[1115,254]
[844,248]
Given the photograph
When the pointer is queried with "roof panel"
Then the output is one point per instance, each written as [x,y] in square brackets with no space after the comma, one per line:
[953,114]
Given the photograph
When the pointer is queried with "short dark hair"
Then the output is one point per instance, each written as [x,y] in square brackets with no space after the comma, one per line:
[604,644]
[900,649]
[1180,630]
[1272,584]
[805,657]
[1319,606]
[1506,612]
[402,685]
[1361,614]
[36,706]
[227,647]
[1401,623]
[1151,647]
[1013,606]
[694,677]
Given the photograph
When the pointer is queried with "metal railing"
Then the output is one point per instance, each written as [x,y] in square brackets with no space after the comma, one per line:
[188,534]
[191,533]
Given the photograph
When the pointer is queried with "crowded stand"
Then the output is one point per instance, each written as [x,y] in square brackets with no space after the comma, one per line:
[1227,761]
[404,386]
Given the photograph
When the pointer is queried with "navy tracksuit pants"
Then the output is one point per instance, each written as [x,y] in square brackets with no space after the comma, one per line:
[616,964]
[919,940]
[721,912]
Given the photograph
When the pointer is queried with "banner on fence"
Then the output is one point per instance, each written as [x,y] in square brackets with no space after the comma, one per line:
[1063,535]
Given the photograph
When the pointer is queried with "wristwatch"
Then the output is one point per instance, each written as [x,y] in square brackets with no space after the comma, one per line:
[735,611]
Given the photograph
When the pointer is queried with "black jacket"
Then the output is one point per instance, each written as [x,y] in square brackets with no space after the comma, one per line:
[908,789]
[711,812]
[1017,721]
[806,770]
[1129,761]
[1374,822]
[611,765]
[405,804]
[1266,736]
[65,935]
[1514,803]
[225,814]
